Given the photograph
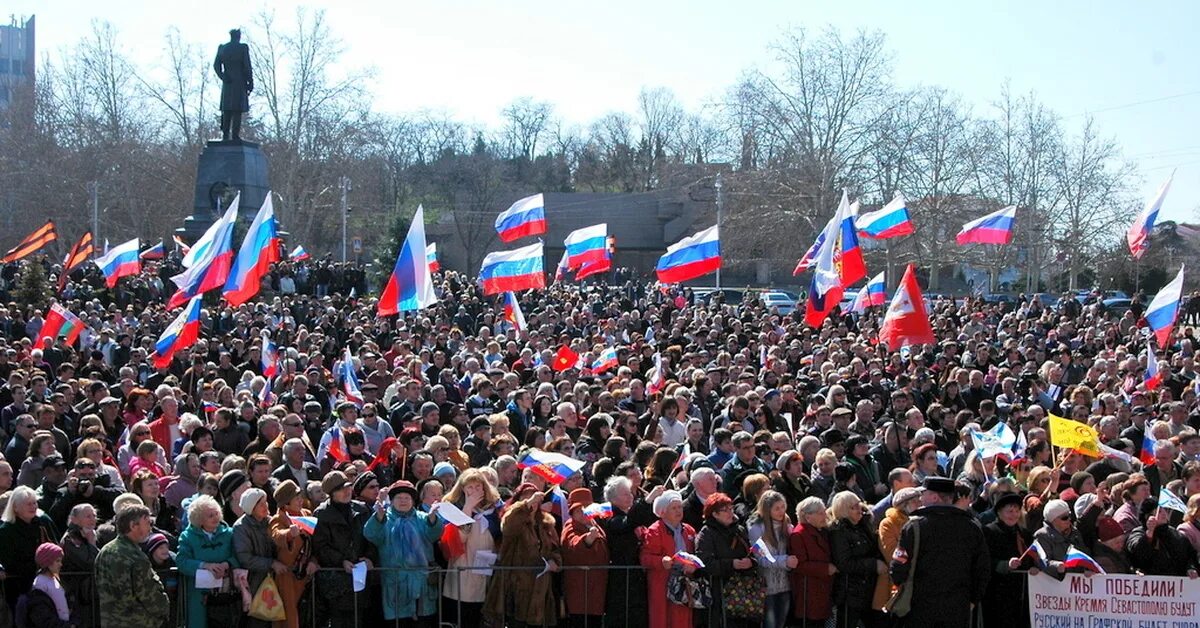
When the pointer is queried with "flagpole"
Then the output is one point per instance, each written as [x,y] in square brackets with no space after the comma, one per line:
[717,184]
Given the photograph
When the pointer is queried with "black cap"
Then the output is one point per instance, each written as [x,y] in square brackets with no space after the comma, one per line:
[1008,499]
[938,485]
[479,423]
[855,440]
[832,436]
[53,461]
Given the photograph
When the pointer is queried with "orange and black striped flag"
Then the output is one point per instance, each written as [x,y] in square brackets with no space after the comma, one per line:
[32,242]
[79,254]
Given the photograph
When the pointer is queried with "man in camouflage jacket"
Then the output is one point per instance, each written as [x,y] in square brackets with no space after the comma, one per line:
[131,595]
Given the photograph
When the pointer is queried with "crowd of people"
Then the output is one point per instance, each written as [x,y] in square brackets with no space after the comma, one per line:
[734,467]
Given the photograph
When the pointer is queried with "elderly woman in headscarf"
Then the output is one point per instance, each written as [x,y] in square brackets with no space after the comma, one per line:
[660,543]
[405,538]
[253,546]
[528,539]
[182,484]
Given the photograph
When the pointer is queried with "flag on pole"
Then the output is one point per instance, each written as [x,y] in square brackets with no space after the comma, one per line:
[1163,310]
[120,261]
[79,254]
[906,321]
[658,379]
[260,249]
[1138,236]
[606,360]
[994,228]
[210,268]
[1151,378]
[526,217]
[298,254]
[59,322]
[270,357]
[564,359]
[594,268]
[410,287]
[1070,434]
[32,243]
[552,467]
[694,256]
[350,389]
[518,269]
[810,256]
[180,334]
[1076,559]
[512,312]
[827,285]
[561,269]
[1171,501]
[587,245]
[431,257]
[1146,455]
[155,252]
[892,221]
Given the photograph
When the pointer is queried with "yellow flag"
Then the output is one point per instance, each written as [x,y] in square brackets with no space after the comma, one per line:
[1073,435]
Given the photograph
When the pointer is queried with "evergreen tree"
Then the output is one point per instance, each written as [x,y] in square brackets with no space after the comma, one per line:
[32,286]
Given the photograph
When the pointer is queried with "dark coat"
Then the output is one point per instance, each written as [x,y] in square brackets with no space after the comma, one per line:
[718,546]
[232,64]
[812,586]
[18,544]
[40,611]
[793,492]
[79,561]
[855,552]
[952,568]
[338,537]
[625,599]
[1004,602]
[1169,553]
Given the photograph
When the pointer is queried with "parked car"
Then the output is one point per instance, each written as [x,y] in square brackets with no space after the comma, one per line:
[781,300]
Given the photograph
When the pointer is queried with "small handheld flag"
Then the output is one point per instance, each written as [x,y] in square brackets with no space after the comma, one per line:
[1146,455]
[564,359]
[1075,558]
[512,312]
[1151,378]
[686,558]
[350,389]
[598,510]
[298,254]
[307,525]
[1170,501]
[553,467]
[761,549]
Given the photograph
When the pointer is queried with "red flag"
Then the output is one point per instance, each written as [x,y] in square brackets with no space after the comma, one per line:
[906,321]
[564,359]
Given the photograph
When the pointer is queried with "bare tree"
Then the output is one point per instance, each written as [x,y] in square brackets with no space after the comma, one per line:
[181,89]
[525,122]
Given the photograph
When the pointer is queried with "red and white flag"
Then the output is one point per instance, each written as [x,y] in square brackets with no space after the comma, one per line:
[906,321]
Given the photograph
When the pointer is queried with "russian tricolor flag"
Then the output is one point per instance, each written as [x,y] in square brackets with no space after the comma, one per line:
[694,256]
[526,217]
[350,389]
[1139,232]
[594,268]
[847,254]
[410,288]
[260,249]
[809,259]
[509,271]
[686,558]
[602,510]
[1151,378]
[120,261]
[561,269]
[994,228]
[512,311]
[1075,558]
[606,360]
[760,548]
[307,525]
[270,358]
[553,467]
[587,245]
[829,280]
[1163,310]
[892,221]
[1146,455]
[180,334]
[155,252]
[210,269]
[877,290]
[431,257]
[299,254]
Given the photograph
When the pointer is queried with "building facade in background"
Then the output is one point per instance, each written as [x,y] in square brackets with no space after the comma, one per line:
[18,53]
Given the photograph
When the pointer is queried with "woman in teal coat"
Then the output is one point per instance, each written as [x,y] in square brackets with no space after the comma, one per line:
[405,538]
[207,543]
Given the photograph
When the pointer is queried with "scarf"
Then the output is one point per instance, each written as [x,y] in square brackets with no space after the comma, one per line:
[52,587]
[406,535]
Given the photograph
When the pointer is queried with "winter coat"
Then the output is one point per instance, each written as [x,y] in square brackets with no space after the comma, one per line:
[254,549]
[793,491]
[584,589]
[952,568]
[482,536]
[1055,546]
[528,537]
[41,612]
[197,547]
[1004,602]
[296,553]
[79,561]
[855,552]
[406,593]
[339,534]
[659,541]
[1167,554]
[718,546]
[130,594]
[889,537]
[812,586]
[625,601]
[18,544]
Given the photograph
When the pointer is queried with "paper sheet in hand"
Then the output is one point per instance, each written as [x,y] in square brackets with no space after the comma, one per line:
[484,561]
[206,580]
[359,575]
[453,515]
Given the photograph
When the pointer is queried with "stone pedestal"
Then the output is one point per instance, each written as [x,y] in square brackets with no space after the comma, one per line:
[226,168]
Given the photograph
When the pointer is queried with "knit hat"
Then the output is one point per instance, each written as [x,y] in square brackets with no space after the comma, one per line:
[1082,503]
[443,468]
[786,459]
[1108,528]
[46,554]
[361,482]
[664,501]
[428,407]
[153,541]
[230,483]
[1055,509]
[479,423]
[286,492]
[251,498]
[333,482]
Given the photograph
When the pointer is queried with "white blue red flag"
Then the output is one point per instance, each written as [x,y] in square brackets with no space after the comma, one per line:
[410,286]
[526,217]
[260,249]
[512,312]
[1163,310]
[892,221]
[298,254]
[994,228]
[180,334]
[270,358]
[1138,236]
[431,257]
[120,261]
[350,389]
[155,252]
[587,245]
[606,360]
[509,271]
[552,467]
[1151,378]
[694,256]
[1076,559]
[211,264]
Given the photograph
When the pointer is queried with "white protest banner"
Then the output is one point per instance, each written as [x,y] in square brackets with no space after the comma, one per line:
[1113,601]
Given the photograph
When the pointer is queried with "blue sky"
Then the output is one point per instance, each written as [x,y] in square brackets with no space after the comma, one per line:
[1132,64]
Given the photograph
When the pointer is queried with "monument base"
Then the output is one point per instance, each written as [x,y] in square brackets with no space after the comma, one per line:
[225,169]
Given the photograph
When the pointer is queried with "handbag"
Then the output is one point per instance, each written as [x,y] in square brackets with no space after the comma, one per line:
[267,605]
[687,591]
[901,601]
[744,594]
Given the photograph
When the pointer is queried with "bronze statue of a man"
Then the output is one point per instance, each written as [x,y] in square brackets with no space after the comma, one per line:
[233,66]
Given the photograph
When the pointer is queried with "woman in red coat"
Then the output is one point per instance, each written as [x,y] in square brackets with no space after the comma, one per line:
[812,579]
[662,540]
[584,544]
